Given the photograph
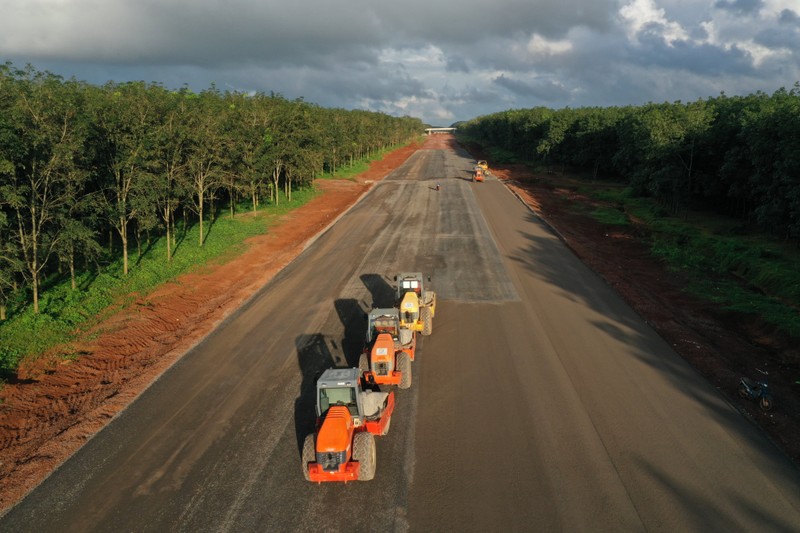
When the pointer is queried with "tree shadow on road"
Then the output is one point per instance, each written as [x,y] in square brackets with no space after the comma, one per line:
[313,357]
[380,288]
[352,314]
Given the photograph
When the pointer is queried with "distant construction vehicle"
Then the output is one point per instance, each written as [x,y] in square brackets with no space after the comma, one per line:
[389,349]
[417,305]
[348,418]
[484,165]
[477,174]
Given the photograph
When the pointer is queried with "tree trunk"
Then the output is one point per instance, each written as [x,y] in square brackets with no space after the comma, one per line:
[200,199]
[72,269]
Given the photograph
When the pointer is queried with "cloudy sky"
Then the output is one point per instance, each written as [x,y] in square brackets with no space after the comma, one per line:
[438,60]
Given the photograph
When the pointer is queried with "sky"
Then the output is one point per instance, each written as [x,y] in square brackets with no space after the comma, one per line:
[442,61]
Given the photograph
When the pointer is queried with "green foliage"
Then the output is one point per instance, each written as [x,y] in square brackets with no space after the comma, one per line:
[87,173]
[65,312]
[748,273]
[610,216]
[735,155]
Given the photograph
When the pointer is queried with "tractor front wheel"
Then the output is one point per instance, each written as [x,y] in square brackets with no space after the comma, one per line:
[364,453]
[404,367]
[309,454]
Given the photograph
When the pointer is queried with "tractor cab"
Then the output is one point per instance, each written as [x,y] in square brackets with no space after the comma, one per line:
[417,304]
[409,282]
[340,387]
[387,320]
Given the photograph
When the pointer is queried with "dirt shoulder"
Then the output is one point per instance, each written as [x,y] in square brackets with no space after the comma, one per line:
[722,345]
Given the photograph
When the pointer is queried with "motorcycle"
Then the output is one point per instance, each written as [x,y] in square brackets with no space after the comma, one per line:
[756,391]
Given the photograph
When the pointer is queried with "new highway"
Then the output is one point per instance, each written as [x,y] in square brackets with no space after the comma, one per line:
[541,402]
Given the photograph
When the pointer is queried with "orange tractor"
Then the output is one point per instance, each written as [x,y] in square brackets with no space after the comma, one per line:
[389,349]
[478,174]
[417,305]
[348,418]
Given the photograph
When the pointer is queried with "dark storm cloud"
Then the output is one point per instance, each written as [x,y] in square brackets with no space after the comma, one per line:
[740,6]
[457,63]
[704,59]
[538,89]
[429,59]
[788,16]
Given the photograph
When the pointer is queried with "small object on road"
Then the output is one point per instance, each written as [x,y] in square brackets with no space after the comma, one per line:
[437,187]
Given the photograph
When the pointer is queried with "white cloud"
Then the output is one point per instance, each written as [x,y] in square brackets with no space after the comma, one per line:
[643,16]
[539,46]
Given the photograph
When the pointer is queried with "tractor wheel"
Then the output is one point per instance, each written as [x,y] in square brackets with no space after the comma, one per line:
[364,453]
[404,367]
[765,403]
[363,362]
[386,427]
[309,454]
[427,320]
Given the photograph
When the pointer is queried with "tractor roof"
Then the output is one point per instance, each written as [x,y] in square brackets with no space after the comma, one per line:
[339,377]
[387,311]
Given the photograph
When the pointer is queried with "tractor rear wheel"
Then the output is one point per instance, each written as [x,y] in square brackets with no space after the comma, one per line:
[309,454]
[363,363]
[364,453]
[427,320]
[404,367]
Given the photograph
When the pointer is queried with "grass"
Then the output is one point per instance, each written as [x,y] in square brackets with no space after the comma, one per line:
[349,172]
[65,312]
[742,270]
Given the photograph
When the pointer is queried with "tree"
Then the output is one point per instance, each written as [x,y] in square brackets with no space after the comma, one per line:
[204,154]
[45,175]
[125,120]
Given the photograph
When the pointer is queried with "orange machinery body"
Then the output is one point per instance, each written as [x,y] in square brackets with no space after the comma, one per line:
[383,354]
[335,435]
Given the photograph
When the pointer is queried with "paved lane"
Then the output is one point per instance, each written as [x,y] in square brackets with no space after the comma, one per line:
[541,401]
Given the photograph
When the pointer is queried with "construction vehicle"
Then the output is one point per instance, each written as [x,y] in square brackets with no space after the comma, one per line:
[417,305]
[348,417]
[484,165]
[389,349]
[477,174]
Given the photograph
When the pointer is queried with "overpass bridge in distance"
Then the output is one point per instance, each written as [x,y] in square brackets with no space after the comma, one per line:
[429,131]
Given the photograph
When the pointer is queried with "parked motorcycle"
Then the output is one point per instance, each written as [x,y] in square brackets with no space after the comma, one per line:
[756,391]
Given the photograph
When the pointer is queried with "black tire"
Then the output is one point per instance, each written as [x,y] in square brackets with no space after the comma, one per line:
[309,454]
[363,362]
[386,427]
[765,403]
[404,367]
[364,453]
[427,320]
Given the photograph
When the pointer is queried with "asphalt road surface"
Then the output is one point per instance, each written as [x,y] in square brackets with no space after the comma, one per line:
[541,402]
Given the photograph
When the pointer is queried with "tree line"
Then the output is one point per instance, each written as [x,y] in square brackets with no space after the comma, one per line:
[86,169]
[739,155]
